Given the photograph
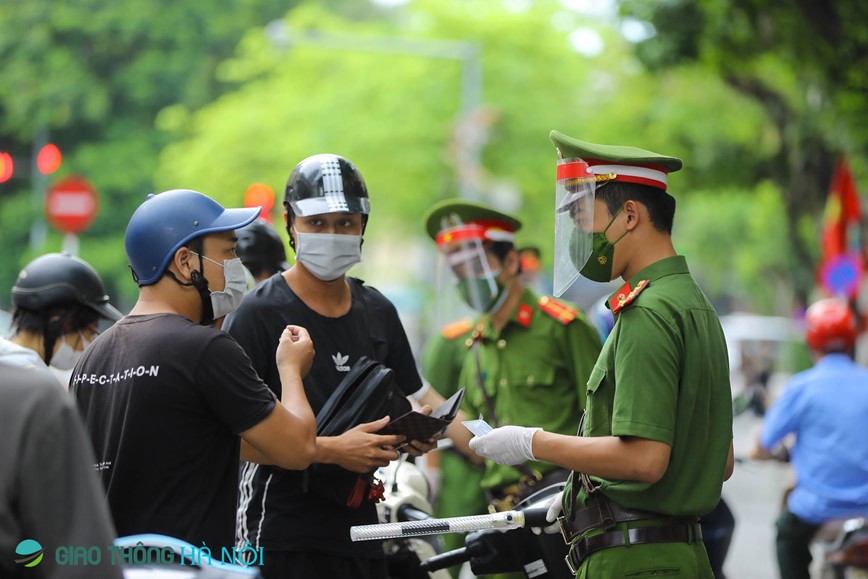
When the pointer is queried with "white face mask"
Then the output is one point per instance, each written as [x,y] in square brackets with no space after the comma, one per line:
[328,256]
[229,298]
[64,357]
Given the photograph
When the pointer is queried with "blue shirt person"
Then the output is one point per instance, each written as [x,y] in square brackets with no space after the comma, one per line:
[824,408]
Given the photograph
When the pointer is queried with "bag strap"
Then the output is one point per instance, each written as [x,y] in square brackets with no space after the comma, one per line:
[378,337]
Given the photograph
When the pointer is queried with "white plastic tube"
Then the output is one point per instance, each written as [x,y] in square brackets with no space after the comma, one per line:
[505,521]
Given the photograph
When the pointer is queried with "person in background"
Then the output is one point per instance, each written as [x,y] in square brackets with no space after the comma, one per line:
[825,409]
[531,270]
[49,492]
[656,442]
[171,403]
[58,302]
[261,250]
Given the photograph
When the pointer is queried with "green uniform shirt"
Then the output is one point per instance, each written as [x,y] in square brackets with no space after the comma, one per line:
[460,494]
[534,370]
[663,375]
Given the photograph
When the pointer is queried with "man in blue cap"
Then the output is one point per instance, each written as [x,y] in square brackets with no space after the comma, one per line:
[170,402]
[656,445]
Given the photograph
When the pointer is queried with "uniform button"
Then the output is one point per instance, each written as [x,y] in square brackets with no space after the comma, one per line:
[544,300]
[479,327]
[475,334]
[501,344]
[503,382]
[468,342]
[530,380]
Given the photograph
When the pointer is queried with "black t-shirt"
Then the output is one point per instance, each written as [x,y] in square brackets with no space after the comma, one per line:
[164,401]
[274,511]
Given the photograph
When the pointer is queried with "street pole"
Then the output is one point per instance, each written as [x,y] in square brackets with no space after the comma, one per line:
[38,228]
[469,138]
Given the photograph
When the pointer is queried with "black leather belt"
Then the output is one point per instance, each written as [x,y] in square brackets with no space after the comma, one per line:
[667,533]
[600,513]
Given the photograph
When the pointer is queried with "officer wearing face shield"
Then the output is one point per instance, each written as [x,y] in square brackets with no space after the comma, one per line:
[59,300]
[524,360]
[656,442]
[170,402]
[304,526]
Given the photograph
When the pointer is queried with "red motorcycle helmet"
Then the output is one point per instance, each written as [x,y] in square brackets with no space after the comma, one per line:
[830,326]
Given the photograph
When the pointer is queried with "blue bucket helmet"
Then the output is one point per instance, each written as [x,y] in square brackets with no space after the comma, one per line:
[167,221]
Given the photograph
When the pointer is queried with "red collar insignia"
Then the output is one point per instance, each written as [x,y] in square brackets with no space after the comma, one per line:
[525,313]
[626,295]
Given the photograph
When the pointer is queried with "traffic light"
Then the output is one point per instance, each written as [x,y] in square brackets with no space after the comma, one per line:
[48,159]
[7,167]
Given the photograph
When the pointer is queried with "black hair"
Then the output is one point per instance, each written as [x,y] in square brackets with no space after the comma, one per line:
[660,204]
[500,249]
[53,322]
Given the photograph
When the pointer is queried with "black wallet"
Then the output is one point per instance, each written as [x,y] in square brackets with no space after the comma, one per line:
[417,426]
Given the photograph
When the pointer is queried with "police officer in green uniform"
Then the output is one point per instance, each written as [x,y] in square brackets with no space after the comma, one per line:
[524,360]
[656,445]
[459,492]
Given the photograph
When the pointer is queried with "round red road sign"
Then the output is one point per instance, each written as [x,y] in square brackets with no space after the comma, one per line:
[71,204]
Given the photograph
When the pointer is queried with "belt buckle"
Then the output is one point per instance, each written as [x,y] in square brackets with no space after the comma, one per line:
[565,530]
[569,561]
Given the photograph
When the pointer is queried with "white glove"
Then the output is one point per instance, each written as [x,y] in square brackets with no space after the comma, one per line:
[509,445]
[555,508]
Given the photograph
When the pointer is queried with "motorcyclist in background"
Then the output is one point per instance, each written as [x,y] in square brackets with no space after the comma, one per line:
[824,408]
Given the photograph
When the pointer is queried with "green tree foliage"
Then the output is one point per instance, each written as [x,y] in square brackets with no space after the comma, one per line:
[804,62]
[396,115]
[95,74]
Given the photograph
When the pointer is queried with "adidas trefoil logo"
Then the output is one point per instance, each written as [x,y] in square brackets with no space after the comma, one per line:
[341,362]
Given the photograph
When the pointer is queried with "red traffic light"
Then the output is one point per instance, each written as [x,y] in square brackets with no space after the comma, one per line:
[7,167]
[48,159]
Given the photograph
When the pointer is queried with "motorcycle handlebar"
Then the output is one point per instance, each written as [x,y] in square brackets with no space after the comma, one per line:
[445,560]
[408,513]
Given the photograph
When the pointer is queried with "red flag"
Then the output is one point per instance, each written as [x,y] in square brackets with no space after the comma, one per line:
[841,218]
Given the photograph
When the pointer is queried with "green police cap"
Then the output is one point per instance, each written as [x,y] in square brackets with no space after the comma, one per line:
[629,164]
[457,220]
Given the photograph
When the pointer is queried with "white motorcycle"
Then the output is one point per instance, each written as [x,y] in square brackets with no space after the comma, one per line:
[406,499]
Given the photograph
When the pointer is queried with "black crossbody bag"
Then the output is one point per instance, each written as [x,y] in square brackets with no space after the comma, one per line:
[367,393]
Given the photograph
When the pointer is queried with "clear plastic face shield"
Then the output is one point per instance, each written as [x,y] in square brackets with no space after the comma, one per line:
[466,282]
[574,221]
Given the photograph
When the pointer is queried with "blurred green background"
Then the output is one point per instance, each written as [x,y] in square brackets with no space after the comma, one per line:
[442,98]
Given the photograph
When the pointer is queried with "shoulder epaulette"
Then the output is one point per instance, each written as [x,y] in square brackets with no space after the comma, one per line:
[626,295]
[557,309]
[456,329]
